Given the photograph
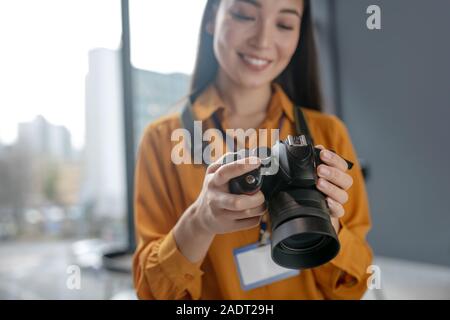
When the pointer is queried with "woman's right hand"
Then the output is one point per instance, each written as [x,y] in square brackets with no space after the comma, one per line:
[218,211]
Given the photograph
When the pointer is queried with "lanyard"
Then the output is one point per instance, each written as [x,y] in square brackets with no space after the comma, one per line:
[264,234]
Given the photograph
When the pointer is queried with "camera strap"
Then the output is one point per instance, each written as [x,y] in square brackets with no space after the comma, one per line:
[301,126]
[188,120]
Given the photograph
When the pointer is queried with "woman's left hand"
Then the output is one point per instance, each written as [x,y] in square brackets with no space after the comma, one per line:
[334,182]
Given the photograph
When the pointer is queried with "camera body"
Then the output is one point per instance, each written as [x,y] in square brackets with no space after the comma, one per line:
[302,234]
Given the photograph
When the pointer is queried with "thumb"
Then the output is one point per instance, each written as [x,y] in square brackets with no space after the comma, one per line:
[213,167]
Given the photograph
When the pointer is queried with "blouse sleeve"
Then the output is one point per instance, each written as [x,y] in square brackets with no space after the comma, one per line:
[345,277]
[160,270]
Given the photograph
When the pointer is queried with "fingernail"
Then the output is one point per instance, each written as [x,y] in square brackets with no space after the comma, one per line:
[253,161]
[324,171]
[330,202]
[327,154]
[321,183]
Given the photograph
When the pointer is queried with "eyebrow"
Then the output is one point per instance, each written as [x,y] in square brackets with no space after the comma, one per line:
[291,11]
[257,4]
[253,2]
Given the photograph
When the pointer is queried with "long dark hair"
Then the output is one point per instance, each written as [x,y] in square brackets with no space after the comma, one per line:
[300,79]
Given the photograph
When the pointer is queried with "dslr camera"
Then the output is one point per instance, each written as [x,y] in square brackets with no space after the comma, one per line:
[302,235]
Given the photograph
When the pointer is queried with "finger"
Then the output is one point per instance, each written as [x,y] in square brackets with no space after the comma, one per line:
[245,214]
[332,191]
[336,176]
[213,167]
[240,202]
[216,164]
[247,223]
[319,146]
[235,169]
[333,160]
[336,209]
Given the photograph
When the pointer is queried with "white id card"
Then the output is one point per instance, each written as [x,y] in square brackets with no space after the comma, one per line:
[256,267]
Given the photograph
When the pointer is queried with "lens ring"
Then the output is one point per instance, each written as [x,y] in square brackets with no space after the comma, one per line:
[313,247]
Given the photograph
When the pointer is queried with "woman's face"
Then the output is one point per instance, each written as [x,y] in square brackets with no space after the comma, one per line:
[254,40]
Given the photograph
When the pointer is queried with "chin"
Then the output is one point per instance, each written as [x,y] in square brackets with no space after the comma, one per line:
[251,82]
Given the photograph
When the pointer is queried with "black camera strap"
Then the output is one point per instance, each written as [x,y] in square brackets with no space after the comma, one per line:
[188,122]
[301,126]
[188,119]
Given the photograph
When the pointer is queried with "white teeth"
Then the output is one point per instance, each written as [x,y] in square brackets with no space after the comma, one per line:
[256,62]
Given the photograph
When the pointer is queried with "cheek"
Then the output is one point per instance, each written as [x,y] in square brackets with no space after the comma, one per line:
[227,39]
[286,48]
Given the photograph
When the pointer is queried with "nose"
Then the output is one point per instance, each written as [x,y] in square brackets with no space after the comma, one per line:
[263,36]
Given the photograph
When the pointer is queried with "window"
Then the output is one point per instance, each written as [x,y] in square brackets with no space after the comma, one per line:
[62,194]
[163,47]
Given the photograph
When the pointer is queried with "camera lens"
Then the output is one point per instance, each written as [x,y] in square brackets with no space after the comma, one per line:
[302,234]
[303,241]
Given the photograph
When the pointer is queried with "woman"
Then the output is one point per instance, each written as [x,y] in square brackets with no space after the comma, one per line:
[256,59]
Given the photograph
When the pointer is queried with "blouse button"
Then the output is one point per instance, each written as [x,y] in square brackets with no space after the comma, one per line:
[350,281]
[347,280]
[188,277]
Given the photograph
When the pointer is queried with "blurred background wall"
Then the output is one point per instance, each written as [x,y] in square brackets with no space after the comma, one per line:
[394,96]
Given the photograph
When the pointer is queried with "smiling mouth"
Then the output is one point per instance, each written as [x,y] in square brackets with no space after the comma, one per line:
[256,62]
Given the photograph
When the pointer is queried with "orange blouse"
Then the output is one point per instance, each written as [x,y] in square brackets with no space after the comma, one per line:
[164,190]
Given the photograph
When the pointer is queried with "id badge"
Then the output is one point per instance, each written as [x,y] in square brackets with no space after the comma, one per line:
[256,267]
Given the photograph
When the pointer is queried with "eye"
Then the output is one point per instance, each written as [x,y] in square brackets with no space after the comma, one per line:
[241,17]
[285,27]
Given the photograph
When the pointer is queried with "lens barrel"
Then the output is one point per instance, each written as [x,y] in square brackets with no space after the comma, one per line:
[302,233]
